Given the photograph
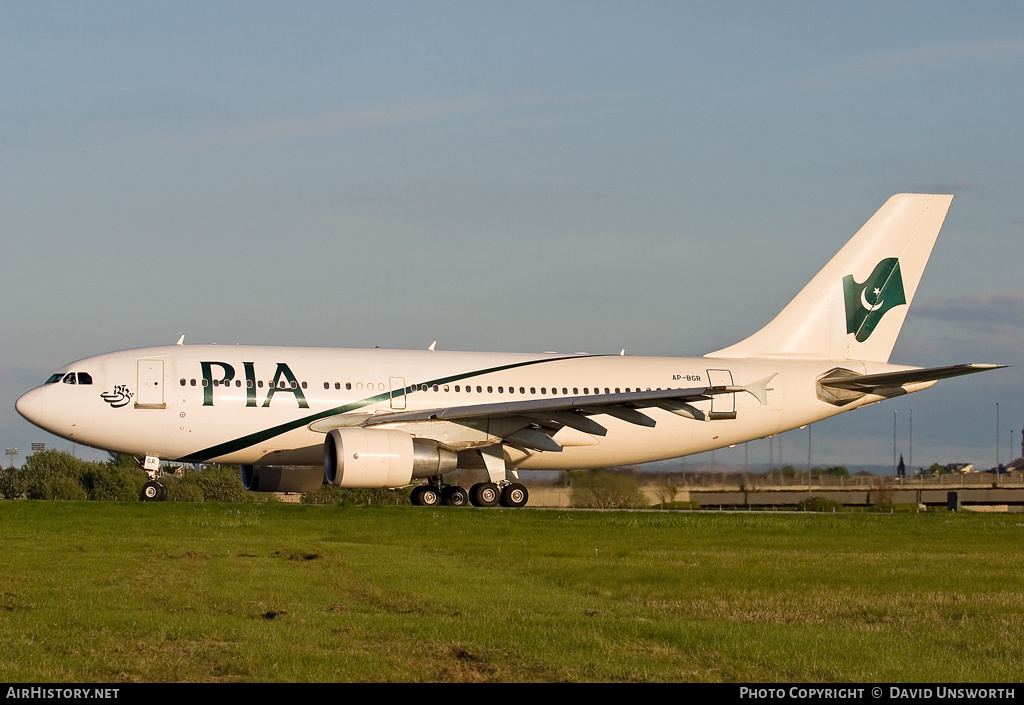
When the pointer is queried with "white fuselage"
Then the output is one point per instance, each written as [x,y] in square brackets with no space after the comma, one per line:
[262,405]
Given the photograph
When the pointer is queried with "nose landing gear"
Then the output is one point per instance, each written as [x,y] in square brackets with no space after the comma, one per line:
[154,490]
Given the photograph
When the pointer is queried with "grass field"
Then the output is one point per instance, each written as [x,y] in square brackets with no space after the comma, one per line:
[127,592]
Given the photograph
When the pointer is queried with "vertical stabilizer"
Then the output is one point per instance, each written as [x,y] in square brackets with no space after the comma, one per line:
[854,308]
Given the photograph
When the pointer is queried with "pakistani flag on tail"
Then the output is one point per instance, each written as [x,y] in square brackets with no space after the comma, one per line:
[866,303]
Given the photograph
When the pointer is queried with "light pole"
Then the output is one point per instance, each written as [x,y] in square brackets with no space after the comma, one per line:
[894,442]
[997,438]
[12,453]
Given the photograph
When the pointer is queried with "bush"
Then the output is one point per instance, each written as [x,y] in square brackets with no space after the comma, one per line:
[819,504]
[112,482]
[329,494]
[605,490]
[53,474]
[10,487]
[214,483]
[181,491]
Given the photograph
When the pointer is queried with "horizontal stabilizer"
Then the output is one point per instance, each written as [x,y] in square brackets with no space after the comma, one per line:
[867,384]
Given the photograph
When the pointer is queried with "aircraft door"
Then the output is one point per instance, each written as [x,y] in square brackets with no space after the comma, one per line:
[397,393]
[723,406]
[150,393]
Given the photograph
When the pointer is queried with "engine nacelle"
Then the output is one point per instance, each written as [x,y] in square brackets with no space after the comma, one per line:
[375,457]
[258,478]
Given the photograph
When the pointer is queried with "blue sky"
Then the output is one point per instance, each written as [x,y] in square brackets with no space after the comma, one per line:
[655,176]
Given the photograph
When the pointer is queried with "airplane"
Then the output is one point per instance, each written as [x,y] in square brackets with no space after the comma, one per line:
[296,418]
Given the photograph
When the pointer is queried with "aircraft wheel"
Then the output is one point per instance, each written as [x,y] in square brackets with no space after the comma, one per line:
[153,491]
[454,496]
[514,495]
[429,497]
[484,494]
[415,497]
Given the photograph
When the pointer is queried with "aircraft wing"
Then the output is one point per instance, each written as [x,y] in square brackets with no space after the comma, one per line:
[867,384]
[548,415]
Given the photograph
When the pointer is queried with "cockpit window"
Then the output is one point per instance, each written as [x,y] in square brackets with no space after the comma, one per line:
[70,378]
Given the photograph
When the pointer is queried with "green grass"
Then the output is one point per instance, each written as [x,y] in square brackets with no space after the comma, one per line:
[128,592]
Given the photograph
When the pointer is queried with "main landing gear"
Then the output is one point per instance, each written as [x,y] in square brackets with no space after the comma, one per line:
[483,494]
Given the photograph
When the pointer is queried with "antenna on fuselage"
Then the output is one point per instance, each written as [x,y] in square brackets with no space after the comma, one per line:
[181,340]
[431,348]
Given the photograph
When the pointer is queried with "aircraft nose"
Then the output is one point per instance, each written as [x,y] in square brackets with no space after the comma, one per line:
[30,405]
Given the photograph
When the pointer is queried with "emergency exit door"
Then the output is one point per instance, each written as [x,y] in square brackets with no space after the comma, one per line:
[397,393]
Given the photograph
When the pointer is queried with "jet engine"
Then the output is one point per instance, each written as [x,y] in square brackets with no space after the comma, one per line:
[264,478]
[372,457]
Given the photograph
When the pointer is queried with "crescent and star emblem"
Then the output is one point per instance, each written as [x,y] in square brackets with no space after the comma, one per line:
[864,300]
[884,285]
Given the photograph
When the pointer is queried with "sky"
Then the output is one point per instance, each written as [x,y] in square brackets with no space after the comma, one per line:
[524,176]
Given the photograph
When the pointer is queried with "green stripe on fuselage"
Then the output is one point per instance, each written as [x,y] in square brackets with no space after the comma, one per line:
[244,442]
